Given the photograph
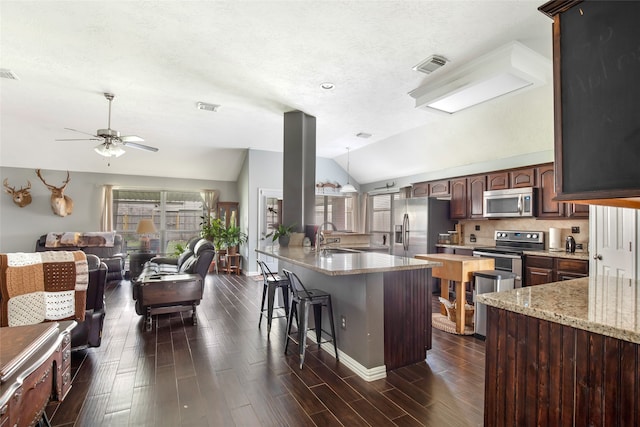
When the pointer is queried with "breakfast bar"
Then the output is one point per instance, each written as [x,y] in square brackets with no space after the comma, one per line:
[567,352]
[381,303]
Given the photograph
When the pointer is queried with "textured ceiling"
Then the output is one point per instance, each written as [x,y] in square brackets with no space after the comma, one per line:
[256,59]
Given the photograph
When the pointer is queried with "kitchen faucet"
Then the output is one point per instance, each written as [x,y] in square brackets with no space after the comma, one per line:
[320,235]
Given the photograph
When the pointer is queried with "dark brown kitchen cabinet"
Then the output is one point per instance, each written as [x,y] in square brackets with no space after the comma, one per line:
[538,270]
[547,207]
[575,210]
[420,189]
[596,100]
[541,269]
[476,185]
[498,181]
[439,188]
[525,177]
[459,198]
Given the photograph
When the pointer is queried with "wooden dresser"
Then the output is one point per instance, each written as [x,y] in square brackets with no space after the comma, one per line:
[35,366]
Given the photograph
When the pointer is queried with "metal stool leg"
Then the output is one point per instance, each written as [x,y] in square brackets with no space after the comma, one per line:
[317,319]
[292,310]
[264,295]
[302,329]
[271,293]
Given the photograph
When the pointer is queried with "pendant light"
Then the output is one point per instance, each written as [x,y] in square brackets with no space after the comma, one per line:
[348,188]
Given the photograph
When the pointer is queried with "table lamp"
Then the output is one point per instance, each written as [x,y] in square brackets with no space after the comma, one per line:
[145,227]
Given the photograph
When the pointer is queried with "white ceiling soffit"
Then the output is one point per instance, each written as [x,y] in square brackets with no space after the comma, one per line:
[505,70]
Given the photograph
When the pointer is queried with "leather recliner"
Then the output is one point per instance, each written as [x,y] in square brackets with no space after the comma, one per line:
[113,256]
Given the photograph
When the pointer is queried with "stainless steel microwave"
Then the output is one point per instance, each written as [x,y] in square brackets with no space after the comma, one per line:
[512,203]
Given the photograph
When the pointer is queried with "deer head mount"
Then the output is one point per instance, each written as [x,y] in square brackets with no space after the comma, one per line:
[21,197]
[60,204]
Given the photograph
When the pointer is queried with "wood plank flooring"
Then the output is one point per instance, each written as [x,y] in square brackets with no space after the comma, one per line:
[227,372]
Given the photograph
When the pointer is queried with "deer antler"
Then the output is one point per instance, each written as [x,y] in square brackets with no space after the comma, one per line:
[10,190]
[50,187]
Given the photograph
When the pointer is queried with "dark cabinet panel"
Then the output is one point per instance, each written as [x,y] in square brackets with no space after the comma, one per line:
[498,181]
[547,207]
[420,189]
[476,185]
[525,177]
[459,198]
[541,269]
[439,188]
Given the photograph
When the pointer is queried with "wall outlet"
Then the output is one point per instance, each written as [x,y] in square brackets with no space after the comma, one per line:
[477,228]
[579,246]
[343,322]
[575,230]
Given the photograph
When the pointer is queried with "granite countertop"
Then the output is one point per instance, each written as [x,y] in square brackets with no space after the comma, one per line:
[597,304]
[583,255]
[345,263]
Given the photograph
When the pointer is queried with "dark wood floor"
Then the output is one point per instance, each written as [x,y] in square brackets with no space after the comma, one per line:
[227,372]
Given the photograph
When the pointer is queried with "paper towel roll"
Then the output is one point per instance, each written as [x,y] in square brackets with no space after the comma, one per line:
[555,241]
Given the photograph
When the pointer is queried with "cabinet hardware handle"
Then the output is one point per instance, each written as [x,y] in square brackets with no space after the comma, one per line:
[597,257]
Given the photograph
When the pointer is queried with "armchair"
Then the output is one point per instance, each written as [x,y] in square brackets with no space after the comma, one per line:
[89,333]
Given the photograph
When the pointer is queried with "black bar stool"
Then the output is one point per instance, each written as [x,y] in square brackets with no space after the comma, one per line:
[271,283]
[301,299]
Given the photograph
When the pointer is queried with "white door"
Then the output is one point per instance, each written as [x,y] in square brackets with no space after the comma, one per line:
[613,242]
[267,221]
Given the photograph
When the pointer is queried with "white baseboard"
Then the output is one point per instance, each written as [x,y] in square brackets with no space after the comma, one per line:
[367,374]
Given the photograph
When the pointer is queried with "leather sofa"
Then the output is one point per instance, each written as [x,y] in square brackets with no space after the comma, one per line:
[113,256]
[196,261]
[89,333]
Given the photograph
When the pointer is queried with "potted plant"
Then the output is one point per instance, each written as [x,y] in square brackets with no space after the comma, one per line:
[234,237]
[213,230]
[282,234]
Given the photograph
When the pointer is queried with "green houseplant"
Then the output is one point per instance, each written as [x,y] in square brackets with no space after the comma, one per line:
[213,230]
[234,237]
[282,234]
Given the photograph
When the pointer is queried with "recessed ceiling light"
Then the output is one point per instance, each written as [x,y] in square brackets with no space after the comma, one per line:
[430,64]
[5,73]
[363,135]
[327,85]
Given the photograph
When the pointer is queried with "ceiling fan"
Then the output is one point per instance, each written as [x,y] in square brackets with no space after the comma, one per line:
[112,141]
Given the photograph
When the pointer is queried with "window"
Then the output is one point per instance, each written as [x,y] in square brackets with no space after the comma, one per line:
[380,216]
[176,215]
[336,210]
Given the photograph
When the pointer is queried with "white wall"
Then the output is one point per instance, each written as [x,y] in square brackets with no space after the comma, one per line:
[21,227]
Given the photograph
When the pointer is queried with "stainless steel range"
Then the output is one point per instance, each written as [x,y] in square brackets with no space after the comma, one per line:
[509,249]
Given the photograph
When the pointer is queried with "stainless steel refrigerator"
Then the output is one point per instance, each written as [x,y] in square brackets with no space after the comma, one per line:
[417,223]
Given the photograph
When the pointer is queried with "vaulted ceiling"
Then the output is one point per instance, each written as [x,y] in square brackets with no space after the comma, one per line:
[257,60]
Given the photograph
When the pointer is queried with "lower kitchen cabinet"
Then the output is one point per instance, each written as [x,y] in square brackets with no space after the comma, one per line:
[539,270]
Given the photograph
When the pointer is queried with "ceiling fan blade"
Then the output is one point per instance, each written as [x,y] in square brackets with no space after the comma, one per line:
[80,139]
[79,131]
[131,138]
[140,146]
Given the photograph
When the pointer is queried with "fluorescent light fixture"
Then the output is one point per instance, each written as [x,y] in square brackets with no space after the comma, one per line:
[109,150]
[506,70]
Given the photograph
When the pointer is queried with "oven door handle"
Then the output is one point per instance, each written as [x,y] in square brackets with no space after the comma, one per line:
[494,255]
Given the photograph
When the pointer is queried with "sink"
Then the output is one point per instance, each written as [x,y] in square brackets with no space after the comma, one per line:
[330,251]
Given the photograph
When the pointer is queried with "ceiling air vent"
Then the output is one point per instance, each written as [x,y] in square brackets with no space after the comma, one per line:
[207,107]
[8,74]
[430,64]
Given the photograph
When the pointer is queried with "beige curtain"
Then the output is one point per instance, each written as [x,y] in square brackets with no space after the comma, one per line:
[364,201]
[210,200]
[106,221]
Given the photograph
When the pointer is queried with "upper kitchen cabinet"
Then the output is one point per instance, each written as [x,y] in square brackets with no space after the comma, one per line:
[439,189]
[459,198]
[525,177]
[498,181]
[420,189]
[596,101]
[476,185]
[547,206]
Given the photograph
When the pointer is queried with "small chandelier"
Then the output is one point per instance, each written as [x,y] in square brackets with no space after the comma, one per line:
[348,188]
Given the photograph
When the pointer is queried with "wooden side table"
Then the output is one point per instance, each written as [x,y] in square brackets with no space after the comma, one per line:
[233,264]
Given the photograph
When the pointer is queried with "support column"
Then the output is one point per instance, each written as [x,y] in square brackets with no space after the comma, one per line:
[299,174]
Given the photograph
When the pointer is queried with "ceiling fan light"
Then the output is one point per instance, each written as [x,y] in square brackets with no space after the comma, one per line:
[348,188]
[109,151]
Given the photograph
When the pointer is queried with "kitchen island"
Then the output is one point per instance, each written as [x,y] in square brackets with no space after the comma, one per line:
[381,304]
[567,352]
